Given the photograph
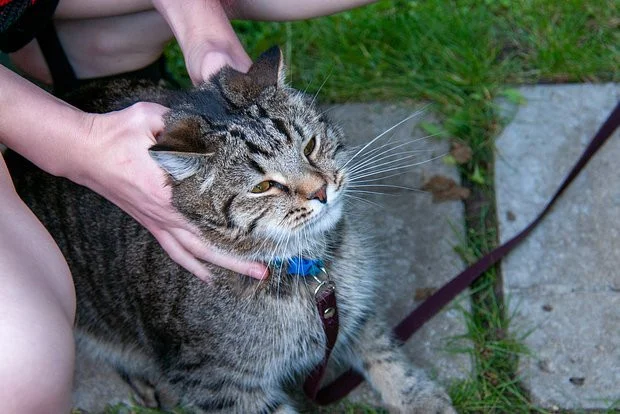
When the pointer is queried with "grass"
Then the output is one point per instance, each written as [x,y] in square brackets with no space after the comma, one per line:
[462,56]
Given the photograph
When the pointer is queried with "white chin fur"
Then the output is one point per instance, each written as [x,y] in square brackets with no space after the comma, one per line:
[308,237]
[326,219]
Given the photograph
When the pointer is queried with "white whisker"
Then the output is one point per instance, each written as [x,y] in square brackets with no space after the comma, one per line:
[321,87]
[390,186]
[396,168]
[380,178]
[387,160]
[369,192]
[416,113]
[393,145]
[387,154]
[331,108]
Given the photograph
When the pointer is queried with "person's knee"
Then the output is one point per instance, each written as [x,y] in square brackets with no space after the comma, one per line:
[38,310]
[36,347]
[36,365]
[32,268]
[31,391]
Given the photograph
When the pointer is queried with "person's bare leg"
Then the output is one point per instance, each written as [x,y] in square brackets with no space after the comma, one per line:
[101,46]
[286,10]
[103,37]
[37,310]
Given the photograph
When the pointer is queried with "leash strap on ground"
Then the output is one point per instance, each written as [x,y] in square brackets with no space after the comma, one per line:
[344,384]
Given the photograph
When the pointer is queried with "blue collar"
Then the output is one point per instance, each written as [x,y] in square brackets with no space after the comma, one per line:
[301,266]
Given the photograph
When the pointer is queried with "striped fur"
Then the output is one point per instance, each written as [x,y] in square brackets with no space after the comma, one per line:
[237,345]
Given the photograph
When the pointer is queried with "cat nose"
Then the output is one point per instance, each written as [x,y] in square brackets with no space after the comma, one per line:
[320,194]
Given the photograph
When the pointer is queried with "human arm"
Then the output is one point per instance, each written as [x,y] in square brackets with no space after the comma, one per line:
[109,154]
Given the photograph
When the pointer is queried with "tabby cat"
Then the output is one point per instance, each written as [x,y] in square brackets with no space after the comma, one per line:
[261,172]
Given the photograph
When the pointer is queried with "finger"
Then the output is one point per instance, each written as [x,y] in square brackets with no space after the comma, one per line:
[156,122]
[241,60]
[210,254]
[253,269]
[216,61]
[151,114]
[183,257]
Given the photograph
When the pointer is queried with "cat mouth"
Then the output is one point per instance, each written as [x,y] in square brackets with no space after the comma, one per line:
[322,220]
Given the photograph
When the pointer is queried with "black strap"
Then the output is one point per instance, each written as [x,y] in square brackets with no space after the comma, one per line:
[20,20]
[61,70]
[63,75]
[344,384]
[325,299]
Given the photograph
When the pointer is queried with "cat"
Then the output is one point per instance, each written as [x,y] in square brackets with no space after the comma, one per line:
[261,172]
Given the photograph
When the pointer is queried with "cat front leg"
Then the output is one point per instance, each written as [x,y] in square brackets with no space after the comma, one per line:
[285,409]
[206,392]
[403,388]
[242,404]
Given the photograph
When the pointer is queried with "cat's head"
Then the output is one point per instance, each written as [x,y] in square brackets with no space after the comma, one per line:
[253,162]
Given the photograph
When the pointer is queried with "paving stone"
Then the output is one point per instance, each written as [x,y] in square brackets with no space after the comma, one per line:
[563,281]
[415,238]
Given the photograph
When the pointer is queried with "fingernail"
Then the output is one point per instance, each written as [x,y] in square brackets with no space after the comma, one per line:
[259,272]
[206,277]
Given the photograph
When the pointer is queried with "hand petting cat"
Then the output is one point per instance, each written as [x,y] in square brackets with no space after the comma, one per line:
[124,173]
[109,154]
[208,42]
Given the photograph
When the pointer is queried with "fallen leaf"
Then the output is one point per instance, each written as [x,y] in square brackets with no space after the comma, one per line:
[424,293]
[460,152]
[445,189]
[578,381]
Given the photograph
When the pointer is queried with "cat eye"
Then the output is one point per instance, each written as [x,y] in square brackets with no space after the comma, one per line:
[310,146]
[262,187]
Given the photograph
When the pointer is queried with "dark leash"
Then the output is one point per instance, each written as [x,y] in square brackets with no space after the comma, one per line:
[344,384]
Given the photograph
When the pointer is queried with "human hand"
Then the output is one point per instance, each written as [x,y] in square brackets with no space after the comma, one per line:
[205,35]
[207,57]
[116,164]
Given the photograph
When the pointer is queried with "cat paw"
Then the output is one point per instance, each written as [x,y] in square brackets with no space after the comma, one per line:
[285,409]
[437,402]
[428,401]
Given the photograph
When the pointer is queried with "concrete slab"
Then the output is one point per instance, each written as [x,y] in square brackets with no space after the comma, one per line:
[415,238]
[563,282]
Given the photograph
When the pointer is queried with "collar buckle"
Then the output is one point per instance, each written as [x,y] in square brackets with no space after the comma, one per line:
[324,282]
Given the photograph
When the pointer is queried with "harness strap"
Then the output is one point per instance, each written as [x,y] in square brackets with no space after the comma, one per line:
[65,79]
[344,384]
[325,298]
[61,70]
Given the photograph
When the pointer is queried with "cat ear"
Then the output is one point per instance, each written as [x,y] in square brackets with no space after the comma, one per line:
[180,165]
[242,88]
[268,70]
[182,150]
